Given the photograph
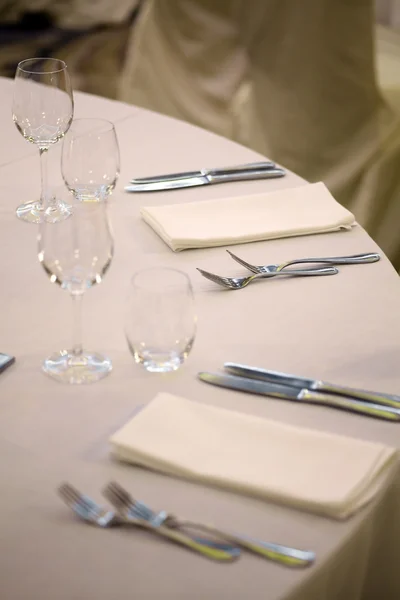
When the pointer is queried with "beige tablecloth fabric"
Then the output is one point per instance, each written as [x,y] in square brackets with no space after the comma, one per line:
[344,328]
[295,81]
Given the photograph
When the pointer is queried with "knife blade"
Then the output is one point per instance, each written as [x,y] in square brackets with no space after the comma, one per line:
[313,384]
[287,392]
[204,177]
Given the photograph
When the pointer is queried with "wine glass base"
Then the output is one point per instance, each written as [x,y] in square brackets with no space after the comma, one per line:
[66,367]
[32,212]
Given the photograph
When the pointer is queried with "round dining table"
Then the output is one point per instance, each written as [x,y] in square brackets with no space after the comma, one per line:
[344,329]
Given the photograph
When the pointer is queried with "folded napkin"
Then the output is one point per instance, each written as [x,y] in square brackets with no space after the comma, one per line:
[297,211]
[319,472]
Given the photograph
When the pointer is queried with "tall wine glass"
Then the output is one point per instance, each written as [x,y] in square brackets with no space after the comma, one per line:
[90,160]
[42,110]
[76,253]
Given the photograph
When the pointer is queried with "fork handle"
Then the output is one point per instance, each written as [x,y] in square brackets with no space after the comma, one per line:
[206,550]
[291,557]
[204,547]
[297,273]
[355,259]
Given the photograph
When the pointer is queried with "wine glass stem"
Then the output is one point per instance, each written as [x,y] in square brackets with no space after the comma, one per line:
[44,178]
[77,324]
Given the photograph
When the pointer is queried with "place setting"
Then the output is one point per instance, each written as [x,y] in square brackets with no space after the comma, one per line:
[305,210]
[225,444]
[244,455]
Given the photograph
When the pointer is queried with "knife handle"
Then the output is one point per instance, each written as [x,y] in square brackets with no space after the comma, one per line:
[356,406]
[374,397]
[244,175]
[255,166]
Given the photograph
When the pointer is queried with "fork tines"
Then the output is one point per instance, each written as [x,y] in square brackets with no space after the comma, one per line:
[124,502]
[77,501]
[69,494]
[215,278]
[117,495]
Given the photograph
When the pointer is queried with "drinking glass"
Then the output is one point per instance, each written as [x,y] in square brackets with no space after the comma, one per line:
[161,321]
[90,159]
[42,110]
[76,253]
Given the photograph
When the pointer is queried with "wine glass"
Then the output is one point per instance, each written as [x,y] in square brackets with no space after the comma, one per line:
[42,111]
[90,161]
[76,253]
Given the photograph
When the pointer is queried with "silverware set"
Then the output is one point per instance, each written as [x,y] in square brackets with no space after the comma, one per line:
[270,271]
[173,181]
[218,545]
[300,389]
[94,514]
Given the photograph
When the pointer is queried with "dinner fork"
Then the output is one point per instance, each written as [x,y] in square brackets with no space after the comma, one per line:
[91,512]
[355,259]
[237,283]
[126,505]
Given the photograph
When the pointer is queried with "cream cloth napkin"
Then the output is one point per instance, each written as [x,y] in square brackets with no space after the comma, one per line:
[290,212]
[319,472]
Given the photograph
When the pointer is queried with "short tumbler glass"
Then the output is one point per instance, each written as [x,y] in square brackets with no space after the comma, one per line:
[161,319]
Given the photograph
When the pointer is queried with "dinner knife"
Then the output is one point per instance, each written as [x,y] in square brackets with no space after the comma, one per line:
[287,392]
[312,384]
[268,164]
[252,171]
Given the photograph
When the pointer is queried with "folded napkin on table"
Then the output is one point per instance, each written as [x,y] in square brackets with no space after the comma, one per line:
[319,472]
[296,211]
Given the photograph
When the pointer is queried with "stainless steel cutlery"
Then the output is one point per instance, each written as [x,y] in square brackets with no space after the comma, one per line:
[237,283]
[354,259]
[247,172]
[218,545]
[265,271]
[312,384]
[268,164]
[126,505]
[286,390]
[91,512]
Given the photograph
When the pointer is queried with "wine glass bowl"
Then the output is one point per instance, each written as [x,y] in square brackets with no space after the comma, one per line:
[77,254]
[42,106]
[90,162]
[42,112]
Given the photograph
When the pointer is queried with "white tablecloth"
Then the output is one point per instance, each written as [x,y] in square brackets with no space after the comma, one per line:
[344,328]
